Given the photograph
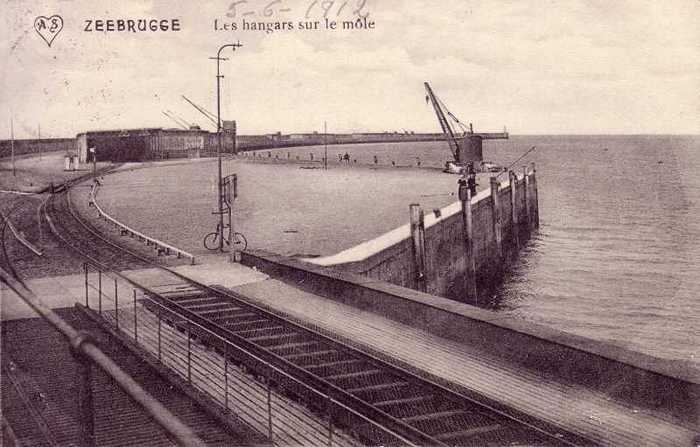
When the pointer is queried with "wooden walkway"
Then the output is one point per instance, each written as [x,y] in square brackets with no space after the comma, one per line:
[577,409]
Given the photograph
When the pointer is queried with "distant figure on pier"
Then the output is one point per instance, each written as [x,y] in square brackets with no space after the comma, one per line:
[346,157]
[376,160]
[340,158]
[418,161]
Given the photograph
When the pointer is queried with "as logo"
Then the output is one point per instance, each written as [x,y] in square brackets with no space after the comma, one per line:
[48,27]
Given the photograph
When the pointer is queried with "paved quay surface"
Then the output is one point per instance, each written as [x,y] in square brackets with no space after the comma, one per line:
[586,412]
[290,209]
[64,291]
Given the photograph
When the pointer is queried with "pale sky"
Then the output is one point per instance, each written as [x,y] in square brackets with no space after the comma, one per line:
[537,67]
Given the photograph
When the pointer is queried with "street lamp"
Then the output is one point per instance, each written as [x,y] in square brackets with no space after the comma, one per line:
[218,131]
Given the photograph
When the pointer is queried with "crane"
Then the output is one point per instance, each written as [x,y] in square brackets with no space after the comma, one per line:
[210,116]
[446,128]
[466,147]
[175,119]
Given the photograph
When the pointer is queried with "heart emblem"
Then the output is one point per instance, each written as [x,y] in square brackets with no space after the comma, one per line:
[48,27]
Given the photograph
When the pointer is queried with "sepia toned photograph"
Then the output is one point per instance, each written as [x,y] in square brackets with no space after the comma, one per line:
[346,223]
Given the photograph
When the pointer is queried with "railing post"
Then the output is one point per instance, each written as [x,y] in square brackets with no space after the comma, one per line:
[160,311]
[84,390]
[189,353]
[85,407]
[136,328]
[116,303]
[99,285]
[226,375]
[87,302]
[330,421]
[269,410]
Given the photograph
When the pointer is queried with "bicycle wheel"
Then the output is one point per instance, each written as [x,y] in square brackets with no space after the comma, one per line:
[239,242]
[211,241]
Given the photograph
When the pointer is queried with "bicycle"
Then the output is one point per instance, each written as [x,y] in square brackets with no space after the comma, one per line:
[211,240]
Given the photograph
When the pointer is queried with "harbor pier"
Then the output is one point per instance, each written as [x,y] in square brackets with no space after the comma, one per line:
[459,251]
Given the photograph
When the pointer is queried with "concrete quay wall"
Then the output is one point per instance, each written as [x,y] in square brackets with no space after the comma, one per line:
[452,260]
[639,380]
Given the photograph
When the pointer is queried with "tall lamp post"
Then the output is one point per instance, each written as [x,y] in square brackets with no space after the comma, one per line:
[218,131]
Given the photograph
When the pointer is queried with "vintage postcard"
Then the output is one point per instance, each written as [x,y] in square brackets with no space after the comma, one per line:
[350,222]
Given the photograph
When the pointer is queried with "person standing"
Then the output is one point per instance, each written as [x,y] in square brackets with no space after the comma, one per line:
[471,179]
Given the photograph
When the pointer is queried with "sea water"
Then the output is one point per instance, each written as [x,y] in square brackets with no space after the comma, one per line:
[617,255]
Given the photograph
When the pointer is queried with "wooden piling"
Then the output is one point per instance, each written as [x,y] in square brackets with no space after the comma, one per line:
[515,225]
[534,197]
[528,217]
[418,237]
[498,239]
[465,196]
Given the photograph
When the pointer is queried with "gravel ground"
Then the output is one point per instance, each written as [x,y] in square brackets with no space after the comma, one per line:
[290,209]
[37,172]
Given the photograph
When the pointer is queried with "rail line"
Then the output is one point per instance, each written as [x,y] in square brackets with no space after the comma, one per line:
[5,260]
[405,407]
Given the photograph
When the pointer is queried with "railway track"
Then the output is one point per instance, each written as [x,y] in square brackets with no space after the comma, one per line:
[5,259]
[423,412]
[86,241]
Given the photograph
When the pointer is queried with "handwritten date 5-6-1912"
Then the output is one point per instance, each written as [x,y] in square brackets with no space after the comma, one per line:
[314,8]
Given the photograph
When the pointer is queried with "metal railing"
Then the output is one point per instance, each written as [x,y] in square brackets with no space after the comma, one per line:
[87,354]
[162,247]
[266,398]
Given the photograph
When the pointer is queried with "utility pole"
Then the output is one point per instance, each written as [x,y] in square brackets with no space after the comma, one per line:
[325,146]
[12,146]
[218,131]
[39,137]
